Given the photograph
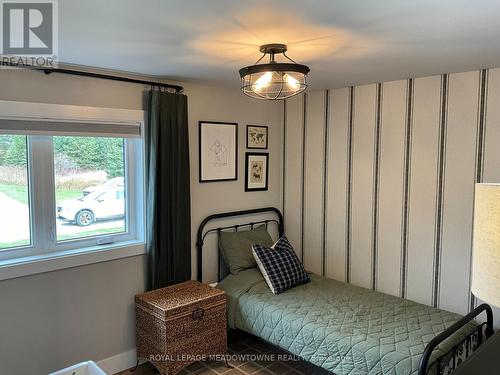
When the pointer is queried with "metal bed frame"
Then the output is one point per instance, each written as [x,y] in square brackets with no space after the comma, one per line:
[445,364]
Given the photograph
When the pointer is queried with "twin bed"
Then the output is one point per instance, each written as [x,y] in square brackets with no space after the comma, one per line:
[343,328]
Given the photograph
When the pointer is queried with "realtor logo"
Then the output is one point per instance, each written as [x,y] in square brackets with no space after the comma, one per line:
[29,32]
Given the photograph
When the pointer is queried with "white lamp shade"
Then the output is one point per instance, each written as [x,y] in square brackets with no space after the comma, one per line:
[486,244]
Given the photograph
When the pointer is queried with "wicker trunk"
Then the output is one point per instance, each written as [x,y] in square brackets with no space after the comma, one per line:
[181,324]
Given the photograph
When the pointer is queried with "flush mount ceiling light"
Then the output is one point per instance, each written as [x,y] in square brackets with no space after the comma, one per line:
[274,80]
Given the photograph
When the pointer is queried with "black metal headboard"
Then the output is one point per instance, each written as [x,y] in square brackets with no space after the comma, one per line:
[200,238]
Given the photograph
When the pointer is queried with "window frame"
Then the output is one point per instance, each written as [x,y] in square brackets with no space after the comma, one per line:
[45,250]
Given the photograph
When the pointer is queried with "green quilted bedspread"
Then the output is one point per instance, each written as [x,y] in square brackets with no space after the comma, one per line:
[340,327]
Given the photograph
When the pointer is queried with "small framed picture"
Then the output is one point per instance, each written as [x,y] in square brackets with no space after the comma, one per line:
[256,137]
[218,151]
[256,171]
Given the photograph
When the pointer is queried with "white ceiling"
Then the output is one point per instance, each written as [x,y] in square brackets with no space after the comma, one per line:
[344,42]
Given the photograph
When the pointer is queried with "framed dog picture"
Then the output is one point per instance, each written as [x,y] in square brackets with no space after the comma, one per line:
[218,150]
[256,171]
[256,137]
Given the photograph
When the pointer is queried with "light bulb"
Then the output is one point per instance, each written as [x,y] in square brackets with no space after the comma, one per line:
[292,82]
[263,81]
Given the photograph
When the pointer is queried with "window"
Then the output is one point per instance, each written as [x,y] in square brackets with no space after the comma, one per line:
[69,186]
[89,186]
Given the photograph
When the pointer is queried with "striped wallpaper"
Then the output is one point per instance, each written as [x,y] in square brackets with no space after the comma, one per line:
[378,182]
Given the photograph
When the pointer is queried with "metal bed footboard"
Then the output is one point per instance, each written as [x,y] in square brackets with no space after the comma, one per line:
[448,362]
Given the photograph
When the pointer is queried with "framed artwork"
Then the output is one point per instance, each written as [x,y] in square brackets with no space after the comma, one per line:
[256,171]
[218,150]
[256,136]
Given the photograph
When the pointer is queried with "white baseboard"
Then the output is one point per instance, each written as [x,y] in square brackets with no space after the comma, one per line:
[119,362]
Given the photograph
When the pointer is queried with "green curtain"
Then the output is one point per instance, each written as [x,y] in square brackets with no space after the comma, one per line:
[168,211]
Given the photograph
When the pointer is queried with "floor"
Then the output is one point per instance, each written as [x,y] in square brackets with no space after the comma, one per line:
[249,356]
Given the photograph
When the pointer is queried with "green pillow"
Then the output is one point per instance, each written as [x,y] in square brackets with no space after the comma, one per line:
[236,247]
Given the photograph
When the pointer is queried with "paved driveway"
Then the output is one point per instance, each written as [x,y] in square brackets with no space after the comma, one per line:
[14,220]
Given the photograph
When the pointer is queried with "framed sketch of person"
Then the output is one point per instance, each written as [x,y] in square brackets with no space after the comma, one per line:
[218,151]
[256,171]
[257,136]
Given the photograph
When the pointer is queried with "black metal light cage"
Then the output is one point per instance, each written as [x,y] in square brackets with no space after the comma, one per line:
[278,87]
[283,79]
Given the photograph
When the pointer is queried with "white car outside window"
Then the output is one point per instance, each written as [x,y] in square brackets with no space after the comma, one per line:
[103,203]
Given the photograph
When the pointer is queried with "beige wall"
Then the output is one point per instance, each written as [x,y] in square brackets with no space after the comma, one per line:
[49,321]
[213,104]
[392,186]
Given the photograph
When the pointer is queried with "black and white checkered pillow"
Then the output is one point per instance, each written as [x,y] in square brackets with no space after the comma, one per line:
[280,266]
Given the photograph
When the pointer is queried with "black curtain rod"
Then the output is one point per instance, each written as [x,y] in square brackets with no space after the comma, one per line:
[177,88]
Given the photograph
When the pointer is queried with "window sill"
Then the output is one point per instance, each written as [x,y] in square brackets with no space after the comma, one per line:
[10,269]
